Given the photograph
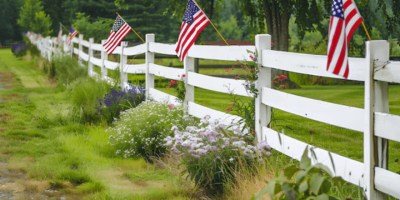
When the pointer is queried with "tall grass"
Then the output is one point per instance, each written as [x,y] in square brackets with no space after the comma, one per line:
[85,94]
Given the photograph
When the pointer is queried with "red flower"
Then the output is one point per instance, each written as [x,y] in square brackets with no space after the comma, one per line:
[237,60]
[272,44]
[233,104]
[175,82]
[283,86]
[237,74]
[274,82]
[171,106]
[241,66]
[276,75]
[251,71]
[236,78]
[183,75]
[226,70]
[279,79]
[252,57]
[166,87]
[253,132]
[233,66]
[228,109]
[179,75]
[250,79]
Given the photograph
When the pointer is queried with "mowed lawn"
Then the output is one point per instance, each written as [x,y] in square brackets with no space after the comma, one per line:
[338,140]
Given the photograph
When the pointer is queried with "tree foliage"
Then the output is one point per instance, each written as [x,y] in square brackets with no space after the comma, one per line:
[27,13]
[98,30]
[42,24]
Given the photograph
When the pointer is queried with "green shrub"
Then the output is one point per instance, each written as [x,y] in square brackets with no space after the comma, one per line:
[75,177]
[140,131]
[85,94]
[212,153]
[304,182]
[66,69]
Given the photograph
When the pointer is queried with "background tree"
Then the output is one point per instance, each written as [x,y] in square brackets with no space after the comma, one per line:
[42,24]
[27,13]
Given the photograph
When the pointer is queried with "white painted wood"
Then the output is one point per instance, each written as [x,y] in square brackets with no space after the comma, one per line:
[83,56]
[330,113]
[217,84]
[90,65]
[123,61]
[95,61]
[104,58]
[85,43]
[162,97]
[167,49]
[96,47]
[201,111]
[76,51]
[375,51]
[149,59]
[117,50]
[350,170]
[135,69]
[188,64]
[310,64]
[229,53]
[166,72]
[387,126]
[136,50]
[390,73]
[387,182]
[381,104]
[110,64]
[262,111]
[80,49]
[75,40]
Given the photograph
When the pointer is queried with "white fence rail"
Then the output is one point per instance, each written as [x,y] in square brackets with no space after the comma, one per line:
[373,121]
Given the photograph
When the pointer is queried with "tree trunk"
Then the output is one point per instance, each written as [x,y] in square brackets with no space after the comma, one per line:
[278,26]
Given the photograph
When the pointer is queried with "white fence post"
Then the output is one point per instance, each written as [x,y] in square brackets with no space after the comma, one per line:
[90,53]
[71,47]
[104,56]
[123,59]
[80,49]
[376,99]
[189,65]
[149,59]
[262,112]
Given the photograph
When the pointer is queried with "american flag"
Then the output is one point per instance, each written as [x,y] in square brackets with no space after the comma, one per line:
[117,34]
[72,33]
[59,35]
[193,22]
[344,20]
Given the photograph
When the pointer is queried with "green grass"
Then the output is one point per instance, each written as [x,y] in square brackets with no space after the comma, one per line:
[35,126]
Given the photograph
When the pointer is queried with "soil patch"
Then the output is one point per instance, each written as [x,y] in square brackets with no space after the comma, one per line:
[14,184]
[5,117]
[6,80]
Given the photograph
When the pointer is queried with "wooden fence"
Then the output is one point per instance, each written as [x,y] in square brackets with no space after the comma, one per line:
[374,121]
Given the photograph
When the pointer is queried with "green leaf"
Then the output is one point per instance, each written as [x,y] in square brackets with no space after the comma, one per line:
[269,189]
[326,186]
[322,197]
[303,187]
[338,181]
[305,160]
[316,182]
[300,176]
[290,171]
[325,168]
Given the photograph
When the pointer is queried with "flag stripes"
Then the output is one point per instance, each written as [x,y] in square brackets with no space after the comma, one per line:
[194,21]
[114,39]
[344,20]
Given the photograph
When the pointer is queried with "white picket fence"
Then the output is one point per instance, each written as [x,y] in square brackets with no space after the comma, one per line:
[374,120]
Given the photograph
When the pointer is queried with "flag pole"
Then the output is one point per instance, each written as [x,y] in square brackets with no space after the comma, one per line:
[366,31]
[64,27]
[131,28]
[213,25]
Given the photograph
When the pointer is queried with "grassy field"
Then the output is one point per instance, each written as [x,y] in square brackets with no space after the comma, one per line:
[342,141]
[71,158]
